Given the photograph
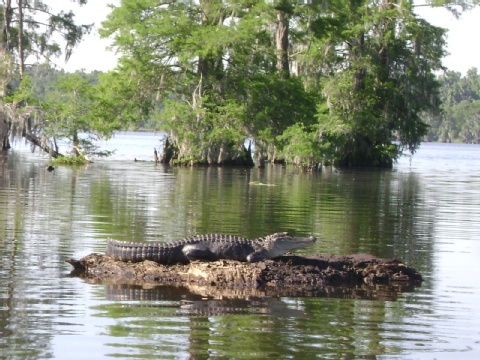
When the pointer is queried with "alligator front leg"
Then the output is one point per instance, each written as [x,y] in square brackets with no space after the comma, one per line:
[257,256]
[198,252]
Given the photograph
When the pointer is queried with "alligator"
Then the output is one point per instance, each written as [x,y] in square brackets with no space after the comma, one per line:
[208,247]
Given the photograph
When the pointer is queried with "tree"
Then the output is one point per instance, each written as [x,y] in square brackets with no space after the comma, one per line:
[284,9]
[386,81]
[303,80]
[455,7]
[71,113]
[459,119]
[469,112]
[27,32]
[202,67]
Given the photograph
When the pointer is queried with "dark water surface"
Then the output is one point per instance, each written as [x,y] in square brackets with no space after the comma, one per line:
[425,212]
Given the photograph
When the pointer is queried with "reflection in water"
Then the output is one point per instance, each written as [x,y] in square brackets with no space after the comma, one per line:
[202,295]
[263,325]
[191,303]
[421,212]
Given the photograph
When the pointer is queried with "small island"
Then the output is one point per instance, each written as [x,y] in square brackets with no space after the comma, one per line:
[288,275]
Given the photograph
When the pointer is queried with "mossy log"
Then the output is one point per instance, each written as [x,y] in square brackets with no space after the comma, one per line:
[287,275]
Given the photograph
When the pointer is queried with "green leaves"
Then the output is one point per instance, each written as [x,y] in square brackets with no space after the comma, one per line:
[302,146]
[188,64]
[32,30]
[460,97]
[210,72]
[387,83]
[72,112]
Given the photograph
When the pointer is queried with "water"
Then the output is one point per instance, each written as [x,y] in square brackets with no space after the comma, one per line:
[424,212]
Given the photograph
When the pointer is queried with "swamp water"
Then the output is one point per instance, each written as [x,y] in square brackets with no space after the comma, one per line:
[424,212]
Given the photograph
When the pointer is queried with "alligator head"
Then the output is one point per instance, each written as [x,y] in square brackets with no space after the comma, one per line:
[278,244]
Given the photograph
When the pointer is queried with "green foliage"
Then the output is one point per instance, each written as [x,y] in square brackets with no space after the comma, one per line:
[211,133]
[72,112]
[361,75]
[306,81]
[25,93]
[57,105]
[40,26]
[184,61]
[69,160]
[32,29]
[459,120]
[455,7]
[275,104]
[301,147]
[469,112]
[388,81]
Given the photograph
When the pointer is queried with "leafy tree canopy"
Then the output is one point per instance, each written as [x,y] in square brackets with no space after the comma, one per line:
[32,31]
[459,120]
[350,81]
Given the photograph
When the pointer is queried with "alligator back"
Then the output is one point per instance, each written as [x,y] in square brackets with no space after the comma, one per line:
[219,246]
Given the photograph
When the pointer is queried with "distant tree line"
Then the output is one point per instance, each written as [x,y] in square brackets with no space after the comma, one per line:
[459,120]
[350,82]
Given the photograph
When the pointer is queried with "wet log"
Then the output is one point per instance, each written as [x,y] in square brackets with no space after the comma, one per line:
[287,275]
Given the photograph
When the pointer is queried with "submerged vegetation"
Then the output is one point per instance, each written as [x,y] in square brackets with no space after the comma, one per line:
[307,82]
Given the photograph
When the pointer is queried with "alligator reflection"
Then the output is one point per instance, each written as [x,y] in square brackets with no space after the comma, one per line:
[198,304]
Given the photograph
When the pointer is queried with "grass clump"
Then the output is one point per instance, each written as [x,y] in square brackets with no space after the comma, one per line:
[69,160]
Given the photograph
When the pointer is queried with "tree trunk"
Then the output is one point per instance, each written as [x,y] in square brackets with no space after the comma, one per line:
[387,25]
[211,64]
[357,53]
[42,145]
[283,66]
[4,132]
[21,57]
[7,16]
[5,74]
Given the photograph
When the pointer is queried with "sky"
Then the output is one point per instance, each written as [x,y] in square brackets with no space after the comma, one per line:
[92,54]
[462,45]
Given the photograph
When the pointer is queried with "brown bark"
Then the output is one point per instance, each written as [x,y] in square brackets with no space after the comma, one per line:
[5,66]
[21,52]
[4,132]
[283,66]
[357,53]
[168,152]
[42,145]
